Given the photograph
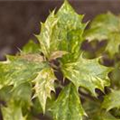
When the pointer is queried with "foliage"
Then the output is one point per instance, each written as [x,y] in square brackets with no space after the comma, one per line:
[55,77]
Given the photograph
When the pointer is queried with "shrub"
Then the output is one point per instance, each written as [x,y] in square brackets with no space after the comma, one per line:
[61,77]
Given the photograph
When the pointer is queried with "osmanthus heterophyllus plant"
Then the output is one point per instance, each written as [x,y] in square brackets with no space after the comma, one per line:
[54,78]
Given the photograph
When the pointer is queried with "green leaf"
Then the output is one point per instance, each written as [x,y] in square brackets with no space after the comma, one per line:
[68,105]
[44,84]
[87,73]
[70,29]
[112,100]
[31,47]
[105,26]
[12,112]
[62,32]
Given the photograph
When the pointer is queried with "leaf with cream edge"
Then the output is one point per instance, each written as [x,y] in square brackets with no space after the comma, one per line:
[68,105]
[112,100]
[87,73]
[105,27]
[31,73]
[70,29]
[47,37]
[62,32]
[44,84]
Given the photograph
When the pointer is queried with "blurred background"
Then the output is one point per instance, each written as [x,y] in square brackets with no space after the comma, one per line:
[19,20]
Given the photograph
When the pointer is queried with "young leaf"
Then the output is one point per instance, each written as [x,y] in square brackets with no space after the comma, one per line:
[68,106]
[87,73]
[47,38]
[112,100]
[44,84]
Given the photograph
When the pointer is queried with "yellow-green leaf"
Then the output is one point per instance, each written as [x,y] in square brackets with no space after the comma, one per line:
[70,29]
[47,37]
[44,84]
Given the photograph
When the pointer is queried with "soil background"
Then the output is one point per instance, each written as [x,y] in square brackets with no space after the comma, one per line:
[20,20]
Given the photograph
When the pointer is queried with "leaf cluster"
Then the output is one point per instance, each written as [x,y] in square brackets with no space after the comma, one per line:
[57,77]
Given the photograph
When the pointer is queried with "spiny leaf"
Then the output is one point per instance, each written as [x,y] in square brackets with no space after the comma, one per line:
[69,19]
[87,73]
[47,37]
[44,84]
[112,100]
[105,26]
[12,112]
[67,105]
[20,69]
[62,32]
[70,29]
